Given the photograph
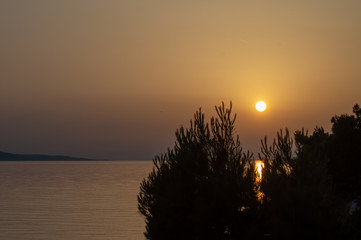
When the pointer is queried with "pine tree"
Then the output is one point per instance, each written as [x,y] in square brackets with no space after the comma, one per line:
[203,187]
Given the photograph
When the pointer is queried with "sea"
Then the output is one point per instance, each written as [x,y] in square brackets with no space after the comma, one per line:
[92,200]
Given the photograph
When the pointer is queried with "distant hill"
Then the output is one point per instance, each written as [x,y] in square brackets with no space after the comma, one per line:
[4,156]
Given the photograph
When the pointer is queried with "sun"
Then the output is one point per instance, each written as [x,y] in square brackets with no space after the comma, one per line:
[261,106]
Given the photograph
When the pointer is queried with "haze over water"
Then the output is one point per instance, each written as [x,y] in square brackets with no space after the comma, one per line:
[99,79]
[71,200]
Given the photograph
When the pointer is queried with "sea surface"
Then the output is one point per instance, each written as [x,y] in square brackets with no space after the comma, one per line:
[71,200]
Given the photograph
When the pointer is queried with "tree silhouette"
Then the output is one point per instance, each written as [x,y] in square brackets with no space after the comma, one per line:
[206,187]
[344,152]
[298,200]
[202,188]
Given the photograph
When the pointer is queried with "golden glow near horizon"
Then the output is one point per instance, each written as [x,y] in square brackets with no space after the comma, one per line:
[261,106]
[103,74]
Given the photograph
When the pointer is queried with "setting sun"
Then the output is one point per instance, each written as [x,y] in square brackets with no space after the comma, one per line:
[261,106]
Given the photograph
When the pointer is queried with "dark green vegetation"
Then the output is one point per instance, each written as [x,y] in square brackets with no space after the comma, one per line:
[4,156]
[206,187]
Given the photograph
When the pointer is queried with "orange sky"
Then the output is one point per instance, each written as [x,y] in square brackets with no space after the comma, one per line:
[114,79]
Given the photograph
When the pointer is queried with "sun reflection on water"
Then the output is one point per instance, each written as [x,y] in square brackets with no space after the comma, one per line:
[259,167]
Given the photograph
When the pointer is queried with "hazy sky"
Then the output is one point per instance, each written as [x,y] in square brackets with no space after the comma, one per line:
[115,79]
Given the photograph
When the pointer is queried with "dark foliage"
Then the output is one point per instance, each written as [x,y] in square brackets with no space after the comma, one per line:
[341,150]
[344,152]
[206,186]
[201,189]
[298,200]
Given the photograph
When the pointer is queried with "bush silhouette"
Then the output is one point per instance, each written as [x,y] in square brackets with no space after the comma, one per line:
[202,188]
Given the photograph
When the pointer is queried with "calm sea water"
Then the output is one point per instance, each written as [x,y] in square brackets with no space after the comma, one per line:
[71,200]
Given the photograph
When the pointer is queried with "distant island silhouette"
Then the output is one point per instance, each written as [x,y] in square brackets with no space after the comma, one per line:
[4,156]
